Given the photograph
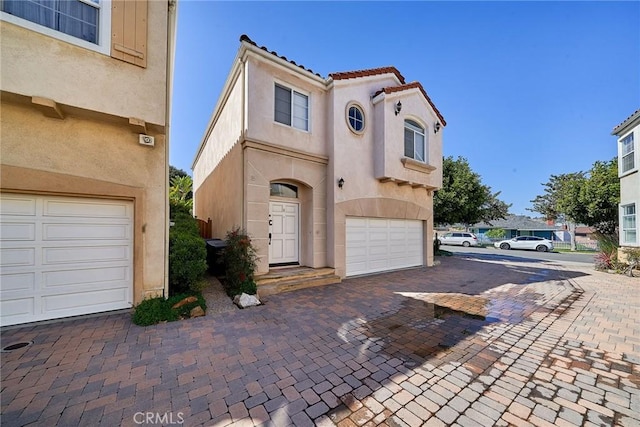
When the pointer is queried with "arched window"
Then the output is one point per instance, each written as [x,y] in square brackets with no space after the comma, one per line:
[279,189]
[414,141]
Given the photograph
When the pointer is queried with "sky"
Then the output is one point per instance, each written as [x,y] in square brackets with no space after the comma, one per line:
[528,89]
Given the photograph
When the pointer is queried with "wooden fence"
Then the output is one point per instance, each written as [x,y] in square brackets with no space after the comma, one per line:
[204,227]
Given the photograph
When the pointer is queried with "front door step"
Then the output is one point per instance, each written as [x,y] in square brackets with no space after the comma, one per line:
[290,279]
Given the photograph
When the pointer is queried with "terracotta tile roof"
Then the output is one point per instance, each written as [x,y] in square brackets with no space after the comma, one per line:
[360,73]
[245,38]
[365,73]
[413,85]
[626,121]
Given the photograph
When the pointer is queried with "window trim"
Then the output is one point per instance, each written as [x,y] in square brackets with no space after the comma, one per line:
[104,28]
[299,92]
[359,107]
[634,168]
[413,122]
[623,230]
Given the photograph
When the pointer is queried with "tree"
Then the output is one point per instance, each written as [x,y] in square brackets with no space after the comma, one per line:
[463,198]
[174,172]
[590,198]
[180,191]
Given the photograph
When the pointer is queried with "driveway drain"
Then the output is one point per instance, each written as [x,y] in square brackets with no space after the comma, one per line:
[16,346]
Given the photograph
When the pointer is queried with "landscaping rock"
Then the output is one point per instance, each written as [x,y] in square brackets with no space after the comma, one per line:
[196,312]
[185,301]
[245,300]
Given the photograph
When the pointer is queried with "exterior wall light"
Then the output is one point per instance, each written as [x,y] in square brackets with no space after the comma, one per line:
[398,107]
[436,127]
[340,182]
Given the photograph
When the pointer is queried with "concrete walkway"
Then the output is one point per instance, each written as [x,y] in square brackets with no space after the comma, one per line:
[477,340]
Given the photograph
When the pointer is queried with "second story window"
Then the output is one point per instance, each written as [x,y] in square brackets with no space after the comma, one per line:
[291,108]
[76,18]
[627,150]
[414,141]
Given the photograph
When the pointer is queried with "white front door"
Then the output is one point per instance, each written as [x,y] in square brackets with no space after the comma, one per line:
[283,233]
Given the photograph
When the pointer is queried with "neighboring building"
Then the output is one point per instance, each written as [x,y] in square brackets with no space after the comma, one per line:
[517,225]
[336,171]
[83,209]
[628,134]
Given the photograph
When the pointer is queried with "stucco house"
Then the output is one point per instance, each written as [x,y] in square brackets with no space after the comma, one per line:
[628,133]
[84,157]
[332,172]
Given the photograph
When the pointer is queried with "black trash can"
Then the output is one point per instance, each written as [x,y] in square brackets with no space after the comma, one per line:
[215,249]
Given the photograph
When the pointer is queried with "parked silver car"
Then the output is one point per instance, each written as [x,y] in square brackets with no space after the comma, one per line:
[535,243]
[458,238]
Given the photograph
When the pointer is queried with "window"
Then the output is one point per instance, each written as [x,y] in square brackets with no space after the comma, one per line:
[626,153]
[629,230]
[283,190]
[414,141]
[355,118]
[291,108]
[77,18]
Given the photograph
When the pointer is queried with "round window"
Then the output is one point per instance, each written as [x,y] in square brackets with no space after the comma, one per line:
[355,117]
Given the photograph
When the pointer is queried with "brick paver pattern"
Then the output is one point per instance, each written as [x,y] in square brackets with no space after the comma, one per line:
[476,341]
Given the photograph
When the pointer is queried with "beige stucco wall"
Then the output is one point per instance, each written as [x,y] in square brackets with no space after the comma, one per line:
[225,129]
[264,165]
[355,157]
[220,195]
[261,125]
[79,156]
[37,65]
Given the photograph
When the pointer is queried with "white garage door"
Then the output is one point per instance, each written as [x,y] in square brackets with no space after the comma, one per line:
[376,244]
[63,256]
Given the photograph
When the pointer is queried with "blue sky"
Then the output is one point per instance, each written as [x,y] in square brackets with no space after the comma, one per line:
[528,89]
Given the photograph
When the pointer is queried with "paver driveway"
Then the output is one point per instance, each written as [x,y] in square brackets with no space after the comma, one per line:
[478,340]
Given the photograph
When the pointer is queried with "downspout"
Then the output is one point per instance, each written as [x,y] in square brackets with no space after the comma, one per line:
[172,13]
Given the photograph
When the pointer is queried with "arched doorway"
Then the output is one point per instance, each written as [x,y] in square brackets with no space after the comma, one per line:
[284,224]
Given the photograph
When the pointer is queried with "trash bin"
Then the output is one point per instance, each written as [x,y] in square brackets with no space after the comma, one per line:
[215,249]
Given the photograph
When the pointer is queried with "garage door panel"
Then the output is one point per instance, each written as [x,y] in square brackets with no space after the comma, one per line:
[83,302]
[22,309]
[18,231]
[85,276]
[18,282]
[90,209]
[377,244]
[13,257]
[79,254]
[15,205]
[74,231]
[64,256]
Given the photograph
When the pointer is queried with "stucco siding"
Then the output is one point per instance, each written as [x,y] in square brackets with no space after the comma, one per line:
[34,64]
[261,124]
[224,134]
[220,196]
[84,157]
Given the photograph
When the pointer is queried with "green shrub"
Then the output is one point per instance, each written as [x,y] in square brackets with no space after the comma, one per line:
[240,263]
[156,310]
[152,311]
[187,260]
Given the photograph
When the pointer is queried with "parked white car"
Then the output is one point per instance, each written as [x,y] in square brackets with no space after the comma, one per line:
[458,238]
[535,243]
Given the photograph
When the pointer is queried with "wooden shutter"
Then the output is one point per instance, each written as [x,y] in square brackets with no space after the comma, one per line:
[129,31]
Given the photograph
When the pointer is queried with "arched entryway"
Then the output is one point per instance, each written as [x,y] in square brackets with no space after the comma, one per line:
[284,224]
